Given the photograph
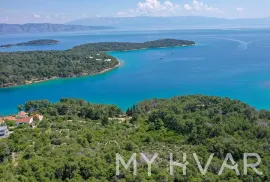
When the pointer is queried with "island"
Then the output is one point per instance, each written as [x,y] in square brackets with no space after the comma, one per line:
[122,46]
[27,67]
[33,43]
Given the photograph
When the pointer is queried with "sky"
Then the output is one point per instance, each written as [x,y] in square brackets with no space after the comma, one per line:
[62,11]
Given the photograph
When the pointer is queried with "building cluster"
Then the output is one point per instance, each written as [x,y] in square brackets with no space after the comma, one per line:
[98,59]
[106,60]
[21,118]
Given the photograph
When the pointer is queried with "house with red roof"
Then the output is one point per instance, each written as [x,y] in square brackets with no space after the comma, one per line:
[8,118]
[27,120]
[22,114]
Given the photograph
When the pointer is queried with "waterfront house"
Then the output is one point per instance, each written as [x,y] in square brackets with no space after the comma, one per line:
[3,131]
[26,120]
[8,118]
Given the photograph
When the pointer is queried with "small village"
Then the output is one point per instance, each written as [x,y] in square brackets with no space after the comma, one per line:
[98,59]
[22,118]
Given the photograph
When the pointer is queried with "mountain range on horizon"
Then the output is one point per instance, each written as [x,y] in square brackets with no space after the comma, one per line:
[136,23]
[172,22]
[46,27]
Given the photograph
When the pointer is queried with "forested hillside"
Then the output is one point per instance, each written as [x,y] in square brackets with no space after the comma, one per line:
[19,68]
[78,141]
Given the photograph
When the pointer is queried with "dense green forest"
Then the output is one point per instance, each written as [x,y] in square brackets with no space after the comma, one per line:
[33,43]
[18,68]
[120,46]
[78,141]
[22,67]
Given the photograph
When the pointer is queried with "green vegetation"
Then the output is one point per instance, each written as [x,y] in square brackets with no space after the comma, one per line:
[18,68]
[78,141]
[120,46]
[33,43]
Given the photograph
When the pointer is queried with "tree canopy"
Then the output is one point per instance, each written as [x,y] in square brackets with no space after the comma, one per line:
[17,68]
[78,141]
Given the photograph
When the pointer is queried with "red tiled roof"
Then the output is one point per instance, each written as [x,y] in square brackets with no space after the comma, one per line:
[10,118]
[22,113]
[24,120]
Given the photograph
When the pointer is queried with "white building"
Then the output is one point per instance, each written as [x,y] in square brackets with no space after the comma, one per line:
[3,131]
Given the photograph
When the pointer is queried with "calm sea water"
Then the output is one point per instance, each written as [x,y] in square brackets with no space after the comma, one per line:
[227,63]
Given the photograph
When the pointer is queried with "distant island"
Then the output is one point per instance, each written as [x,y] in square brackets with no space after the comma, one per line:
[33,43]
[121,46]
[46,27]
[19,68]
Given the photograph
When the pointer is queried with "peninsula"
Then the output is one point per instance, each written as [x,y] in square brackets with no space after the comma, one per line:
[19,68]
[33,43]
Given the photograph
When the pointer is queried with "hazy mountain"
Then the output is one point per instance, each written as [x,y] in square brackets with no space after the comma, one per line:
[46,27]
[172,22]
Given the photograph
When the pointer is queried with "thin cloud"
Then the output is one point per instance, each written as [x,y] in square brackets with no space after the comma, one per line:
[200,6]
[157,8]
[36,15]
[240,9]
[152,8]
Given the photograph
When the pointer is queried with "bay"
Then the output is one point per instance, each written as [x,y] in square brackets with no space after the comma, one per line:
[228,63]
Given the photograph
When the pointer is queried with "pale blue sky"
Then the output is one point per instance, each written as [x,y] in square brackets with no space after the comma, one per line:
[61,11]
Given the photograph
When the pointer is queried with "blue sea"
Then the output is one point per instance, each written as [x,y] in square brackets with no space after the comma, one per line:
[227,63]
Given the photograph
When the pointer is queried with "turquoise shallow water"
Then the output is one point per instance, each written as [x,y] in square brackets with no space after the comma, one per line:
[227,63]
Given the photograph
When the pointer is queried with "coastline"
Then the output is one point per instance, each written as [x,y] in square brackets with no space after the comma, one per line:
[54,78]
[106,70]
[85,75]
[126,50]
